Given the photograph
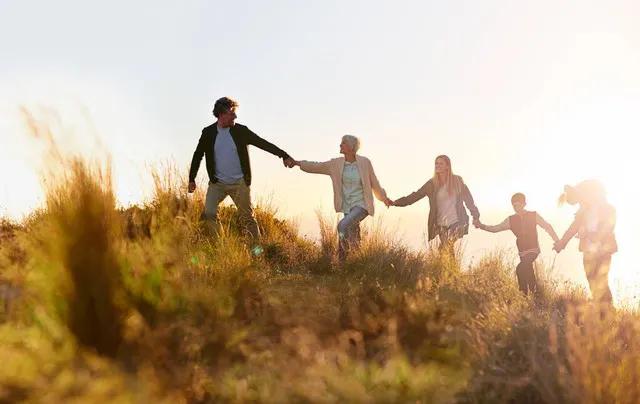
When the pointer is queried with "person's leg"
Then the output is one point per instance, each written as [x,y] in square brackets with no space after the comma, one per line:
[356,234]
[448,237]
[215,194]
[348,230]
[353,231]
[520,274]
[526,274]
[533,281]
[597,271]
[443,235]
[343,226]
[241,195]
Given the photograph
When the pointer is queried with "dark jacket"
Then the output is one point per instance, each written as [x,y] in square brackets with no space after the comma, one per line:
[463,198]
[242,137]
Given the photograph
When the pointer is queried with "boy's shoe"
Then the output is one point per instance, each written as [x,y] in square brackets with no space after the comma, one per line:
[257,250]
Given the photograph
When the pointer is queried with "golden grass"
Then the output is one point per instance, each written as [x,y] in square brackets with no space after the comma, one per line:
[146,304]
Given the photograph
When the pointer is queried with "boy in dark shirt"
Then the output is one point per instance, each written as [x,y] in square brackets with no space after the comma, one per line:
[524,225]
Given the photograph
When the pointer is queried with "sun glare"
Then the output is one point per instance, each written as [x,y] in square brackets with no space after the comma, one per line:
[590,153]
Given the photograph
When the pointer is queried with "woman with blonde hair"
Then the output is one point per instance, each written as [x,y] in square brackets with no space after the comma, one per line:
[594,225]
[354,184]
[448,195]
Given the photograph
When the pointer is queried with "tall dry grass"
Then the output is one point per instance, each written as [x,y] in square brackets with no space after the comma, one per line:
[81,241]
[106,304]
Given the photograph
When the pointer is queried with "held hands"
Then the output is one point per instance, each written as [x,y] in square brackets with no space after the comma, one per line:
[388,202]
[477,224]
[558,246]
[289,162]
[191,187]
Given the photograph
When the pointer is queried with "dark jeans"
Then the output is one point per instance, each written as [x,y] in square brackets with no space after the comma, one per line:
[449,235]
[349,231]
[526,274]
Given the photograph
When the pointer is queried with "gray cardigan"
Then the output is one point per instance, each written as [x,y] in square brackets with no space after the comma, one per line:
[463,198]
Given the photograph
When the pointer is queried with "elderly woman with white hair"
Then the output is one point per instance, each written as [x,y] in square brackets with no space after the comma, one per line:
[354,184]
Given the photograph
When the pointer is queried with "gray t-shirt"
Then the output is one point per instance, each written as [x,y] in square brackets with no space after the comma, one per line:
[228,168]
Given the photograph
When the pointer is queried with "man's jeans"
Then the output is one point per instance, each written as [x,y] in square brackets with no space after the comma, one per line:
[241,196]
[349,231]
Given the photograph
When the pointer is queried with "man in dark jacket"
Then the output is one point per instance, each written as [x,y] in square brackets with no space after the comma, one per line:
[224,145]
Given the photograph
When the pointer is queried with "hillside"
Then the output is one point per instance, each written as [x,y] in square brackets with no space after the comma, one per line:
[147,305]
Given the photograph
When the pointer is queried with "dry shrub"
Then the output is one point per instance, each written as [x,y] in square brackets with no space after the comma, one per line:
[82,240]
[180,314]
[602,362]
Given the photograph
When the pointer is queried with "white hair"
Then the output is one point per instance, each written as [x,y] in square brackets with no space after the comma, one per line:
[352,141]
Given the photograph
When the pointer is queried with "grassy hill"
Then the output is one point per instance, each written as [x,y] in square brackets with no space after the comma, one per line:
[148,305]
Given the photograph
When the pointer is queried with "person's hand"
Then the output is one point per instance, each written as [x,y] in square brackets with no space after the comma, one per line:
[476,223]
[557,246]
[191,187]
[388,202]
[290,162]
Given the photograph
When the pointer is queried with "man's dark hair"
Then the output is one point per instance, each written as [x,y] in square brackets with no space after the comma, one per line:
[224,104]
[518,197]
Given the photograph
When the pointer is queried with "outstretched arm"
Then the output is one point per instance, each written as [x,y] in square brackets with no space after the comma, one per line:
[260,143]
[568,235]
[504,226]
[315,167]
[414,196]
[547,227]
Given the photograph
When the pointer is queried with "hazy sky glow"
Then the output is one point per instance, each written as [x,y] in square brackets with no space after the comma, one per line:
[524,96]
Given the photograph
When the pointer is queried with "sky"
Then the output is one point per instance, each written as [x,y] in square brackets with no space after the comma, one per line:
[523,96]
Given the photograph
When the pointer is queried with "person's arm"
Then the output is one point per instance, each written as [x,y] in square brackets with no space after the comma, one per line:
[315,167]
[377,189]
[547,227]
[414,196]
[468,201]
[195,162]
[504,226]
[260,143]
[568,235]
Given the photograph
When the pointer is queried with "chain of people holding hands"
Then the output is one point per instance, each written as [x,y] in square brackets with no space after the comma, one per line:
[224,145]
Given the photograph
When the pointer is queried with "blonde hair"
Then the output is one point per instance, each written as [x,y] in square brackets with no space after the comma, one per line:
[452,186]
[586,192]
[352,141]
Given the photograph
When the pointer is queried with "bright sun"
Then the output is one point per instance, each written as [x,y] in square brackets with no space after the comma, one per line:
[585,152]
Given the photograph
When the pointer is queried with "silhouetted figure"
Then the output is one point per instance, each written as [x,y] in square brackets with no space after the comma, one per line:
[594,224]
[524,224]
